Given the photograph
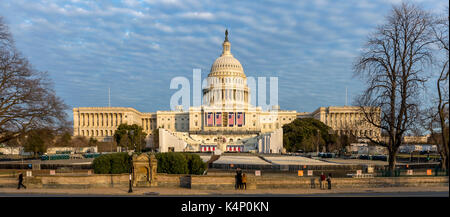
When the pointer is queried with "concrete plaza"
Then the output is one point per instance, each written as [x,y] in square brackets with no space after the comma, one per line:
[158,191]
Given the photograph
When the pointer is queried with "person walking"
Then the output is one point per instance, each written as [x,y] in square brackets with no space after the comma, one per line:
[239,178]
[236,185]
[244,181]
[322,180]
[313,182]
[20,182]
[329,180]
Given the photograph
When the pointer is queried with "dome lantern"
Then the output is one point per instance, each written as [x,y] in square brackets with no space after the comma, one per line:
[226,45]
[227,83]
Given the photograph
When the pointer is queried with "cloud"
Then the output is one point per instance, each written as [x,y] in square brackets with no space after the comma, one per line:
[197,15]
[135,47]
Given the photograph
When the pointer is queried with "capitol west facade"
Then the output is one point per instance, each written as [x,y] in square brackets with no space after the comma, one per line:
[225,122]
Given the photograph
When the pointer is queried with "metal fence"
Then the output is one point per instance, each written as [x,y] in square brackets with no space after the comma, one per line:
[335,170]
[46,166]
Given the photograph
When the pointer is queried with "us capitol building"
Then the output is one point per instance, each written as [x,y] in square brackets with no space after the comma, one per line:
[226,121]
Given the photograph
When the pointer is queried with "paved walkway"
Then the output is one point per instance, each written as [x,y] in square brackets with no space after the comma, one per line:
[186,192]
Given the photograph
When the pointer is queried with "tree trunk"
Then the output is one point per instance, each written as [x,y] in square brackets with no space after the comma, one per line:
[392,161]
[444,138]
[445,161]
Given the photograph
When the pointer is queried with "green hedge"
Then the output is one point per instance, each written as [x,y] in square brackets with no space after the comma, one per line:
[170,163]
[195,164]
[116,163]
[180,163]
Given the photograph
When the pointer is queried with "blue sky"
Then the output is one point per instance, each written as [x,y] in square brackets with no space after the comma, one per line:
[136,47]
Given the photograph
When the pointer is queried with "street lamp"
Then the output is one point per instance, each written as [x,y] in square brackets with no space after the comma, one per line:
[130,188]
[317,141]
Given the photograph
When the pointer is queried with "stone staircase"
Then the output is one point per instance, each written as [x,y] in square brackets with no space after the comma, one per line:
[213,158]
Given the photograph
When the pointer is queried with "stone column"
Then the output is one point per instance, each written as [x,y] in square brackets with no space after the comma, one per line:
[95,120]
[76,123]
[153,170]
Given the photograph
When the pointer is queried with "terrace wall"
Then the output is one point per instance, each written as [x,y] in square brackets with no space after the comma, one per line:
[218,181]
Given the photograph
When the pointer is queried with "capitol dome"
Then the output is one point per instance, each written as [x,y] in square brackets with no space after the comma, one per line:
[227,65]
[226,82]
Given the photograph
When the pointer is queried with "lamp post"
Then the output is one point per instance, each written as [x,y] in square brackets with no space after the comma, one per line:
[317,141]
[130,188]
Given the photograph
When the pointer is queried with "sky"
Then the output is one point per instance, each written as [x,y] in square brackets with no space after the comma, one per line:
[136,47]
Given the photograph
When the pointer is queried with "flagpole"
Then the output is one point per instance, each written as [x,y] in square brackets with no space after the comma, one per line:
[346,97]
[109,97]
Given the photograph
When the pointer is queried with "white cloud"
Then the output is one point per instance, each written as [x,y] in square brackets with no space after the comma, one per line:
[93,43]
[197,15]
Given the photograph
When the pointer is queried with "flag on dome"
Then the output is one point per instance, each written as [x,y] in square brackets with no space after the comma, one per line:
[218,119]
[210,119]
[240,119]
[231,119]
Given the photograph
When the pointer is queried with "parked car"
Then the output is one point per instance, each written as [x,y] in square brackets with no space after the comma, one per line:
[326,155]
[379,157]
[364,157]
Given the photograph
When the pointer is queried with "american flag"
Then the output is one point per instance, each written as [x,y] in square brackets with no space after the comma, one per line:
[231,119]
[210,119]
[218,119]
[240,119]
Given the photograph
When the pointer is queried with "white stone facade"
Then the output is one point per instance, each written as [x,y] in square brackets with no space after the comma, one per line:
[346,120]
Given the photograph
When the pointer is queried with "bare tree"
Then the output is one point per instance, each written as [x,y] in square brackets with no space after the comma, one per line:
[440,32]
[27,99]
[79,142]
[392,63]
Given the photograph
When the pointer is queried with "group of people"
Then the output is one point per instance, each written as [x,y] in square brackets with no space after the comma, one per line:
[241,180]
[322,180]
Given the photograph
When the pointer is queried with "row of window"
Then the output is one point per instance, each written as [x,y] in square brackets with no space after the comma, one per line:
[214,80]
[108,119]
[96,133]
[357,132]
[226,65]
